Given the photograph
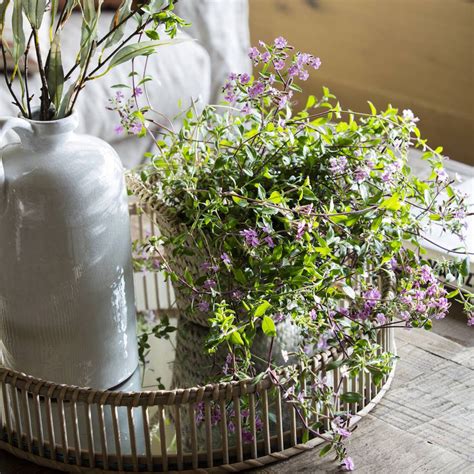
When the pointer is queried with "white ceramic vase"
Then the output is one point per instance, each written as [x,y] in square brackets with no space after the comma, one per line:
[66,283]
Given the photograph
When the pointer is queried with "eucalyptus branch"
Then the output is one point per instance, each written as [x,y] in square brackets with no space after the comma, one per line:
[25,58]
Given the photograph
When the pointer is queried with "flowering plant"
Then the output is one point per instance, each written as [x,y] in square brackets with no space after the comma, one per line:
[96,54]
[294,216]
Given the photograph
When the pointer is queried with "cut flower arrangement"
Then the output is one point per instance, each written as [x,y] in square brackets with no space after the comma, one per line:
[295,218]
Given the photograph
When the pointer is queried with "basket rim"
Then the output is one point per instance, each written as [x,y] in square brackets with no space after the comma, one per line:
[211,391]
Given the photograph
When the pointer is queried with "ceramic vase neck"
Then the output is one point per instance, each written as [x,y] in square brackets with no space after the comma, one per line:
[36,134]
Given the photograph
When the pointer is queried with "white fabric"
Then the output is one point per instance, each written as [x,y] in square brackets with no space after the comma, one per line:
[221,26]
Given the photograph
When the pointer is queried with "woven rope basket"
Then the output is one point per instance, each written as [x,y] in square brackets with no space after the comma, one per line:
[78,429]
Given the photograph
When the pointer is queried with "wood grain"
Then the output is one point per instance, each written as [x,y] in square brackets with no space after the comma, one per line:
[416,55]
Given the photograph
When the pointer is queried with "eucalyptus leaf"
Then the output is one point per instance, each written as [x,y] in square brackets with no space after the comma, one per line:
[34,11]
[55,72]
[117,24]
[144,48]
[3,9]
[19,43]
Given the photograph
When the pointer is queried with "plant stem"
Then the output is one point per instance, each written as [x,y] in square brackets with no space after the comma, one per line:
[27,50]
[44,84]
[9,84]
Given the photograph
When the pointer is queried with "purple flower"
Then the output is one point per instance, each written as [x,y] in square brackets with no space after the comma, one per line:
[245,413]
[426,275]
[338,165]
[232,76]
[315,62]
[303,74]
[313,314]
[280,42]
[269,241]
[372,295]
[348,464]
[258,423]
[381,319]
[119,96]
[283,101]
[441,175]
[266,57]
[209,284]
[237,295]
[118,129]
[231,427]
[279,65]
[300,230]
[361,174]
[254,54]
[256,90]
[244,78]
[405,315]
[230,97]
[323,342]
[203,306]
[226,259]
[279,317]
[137,92]
[251,237]
[246,108]
[293,70]
[200,412]
[247,436]
[343,432]
[136,128]
[470,320]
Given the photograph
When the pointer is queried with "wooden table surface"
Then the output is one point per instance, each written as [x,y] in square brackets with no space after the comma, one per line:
[423,424]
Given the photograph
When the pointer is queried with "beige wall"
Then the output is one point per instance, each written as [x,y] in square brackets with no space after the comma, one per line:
[414,54]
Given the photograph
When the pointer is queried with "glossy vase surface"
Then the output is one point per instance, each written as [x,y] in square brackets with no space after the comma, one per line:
[66,284]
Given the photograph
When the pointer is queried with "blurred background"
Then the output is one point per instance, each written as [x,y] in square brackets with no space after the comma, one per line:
[412,54]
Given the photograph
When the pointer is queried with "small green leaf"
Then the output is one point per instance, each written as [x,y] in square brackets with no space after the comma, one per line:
[334,364]
[325,450]
[310,102]
[236,338]
[351,397]
[275,197]
[453,293]
[268,326]
[393,203]
[464,270]
[262,308]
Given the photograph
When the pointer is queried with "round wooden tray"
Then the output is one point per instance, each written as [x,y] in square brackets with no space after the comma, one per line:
[137,428]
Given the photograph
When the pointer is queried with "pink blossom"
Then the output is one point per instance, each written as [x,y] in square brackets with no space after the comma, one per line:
[226,259]
[348,464]
[118,129]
